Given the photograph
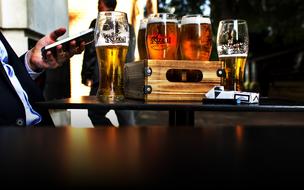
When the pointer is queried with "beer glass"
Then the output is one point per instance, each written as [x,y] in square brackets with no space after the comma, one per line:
[162,36]
[195,37]
[232,48]
[141,39]
[111,42]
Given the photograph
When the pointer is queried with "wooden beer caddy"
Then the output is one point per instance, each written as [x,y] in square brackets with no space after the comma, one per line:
[150,80]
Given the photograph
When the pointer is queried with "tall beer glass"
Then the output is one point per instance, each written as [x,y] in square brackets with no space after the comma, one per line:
[162,36]
[232,48]
[111,42]
[195,37]
[141,39]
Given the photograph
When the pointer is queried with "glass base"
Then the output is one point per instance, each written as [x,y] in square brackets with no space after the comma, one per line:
[110,98]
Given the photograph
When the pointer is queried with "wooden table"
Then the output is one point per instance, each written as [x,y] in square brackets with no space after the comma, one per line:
[152,157]
[180,113]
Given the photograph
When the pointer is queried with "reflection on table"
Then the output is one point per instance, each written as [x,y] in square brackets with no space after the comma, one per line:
[152,157]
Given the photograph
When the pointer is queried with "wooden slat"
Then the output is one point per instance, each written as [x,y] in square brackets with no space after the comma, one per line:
[162,89]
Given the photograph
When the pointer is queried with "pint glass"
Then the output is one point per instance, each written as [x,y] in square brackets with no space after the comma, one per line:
[141,39]
[111,42]
[232,47]
[162,36]
[195,37]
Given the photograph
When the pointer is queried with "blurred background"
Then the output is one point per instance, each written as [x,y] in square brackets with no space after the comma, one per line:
[275,65]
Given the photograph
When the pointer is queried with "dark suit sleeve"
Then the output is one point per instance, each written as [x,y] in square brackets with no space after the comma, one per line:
[22,59]
[40,80]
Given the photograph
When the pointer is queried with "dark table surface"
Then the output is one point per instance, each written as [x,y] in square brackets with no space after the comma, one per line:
[91,102]
[180,113]
[152,157]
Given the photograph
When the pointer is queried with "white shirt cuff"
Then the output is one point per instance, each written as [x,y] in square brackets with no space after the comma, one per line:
[32,73]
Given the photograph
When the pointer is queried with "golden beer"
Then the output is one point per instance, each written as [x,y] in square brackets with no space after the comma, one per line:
[234,70]
[141,40]
[196,38]
[111,43]
[111,61]
[162,38]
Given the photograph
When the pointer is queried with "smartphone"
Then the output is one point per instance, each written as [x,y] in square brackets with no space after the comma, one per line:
[86,36]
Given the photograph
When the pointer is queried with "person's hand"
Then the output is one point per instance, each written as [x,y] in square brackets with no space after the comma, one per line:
[89,82]
[38,63]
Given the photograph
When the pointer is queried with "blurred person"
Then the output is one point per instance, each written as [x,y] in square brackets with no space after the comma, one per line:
[90,73]
[18,89]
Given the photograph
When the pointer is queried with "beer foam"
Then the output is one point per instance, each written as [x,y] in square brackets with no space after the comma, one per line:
[158,20]
[143,24]
[196,20]
[234,55]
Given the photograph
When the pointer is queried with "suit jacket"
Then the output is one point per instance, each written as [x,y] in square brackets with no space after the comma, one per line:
[11,108]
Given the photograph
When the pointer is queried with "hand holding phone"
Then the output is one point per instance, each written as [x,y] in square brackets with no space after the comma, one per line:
[86,36]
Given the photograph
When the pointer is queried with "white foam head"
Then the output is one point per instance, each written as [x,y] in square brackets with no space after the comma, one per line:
[158,20]
[195,19]
[143,23]
[162,17]
[233,55]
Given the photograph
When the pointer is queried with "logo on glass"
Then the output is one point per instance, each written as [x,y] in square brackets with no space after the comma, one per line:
[159,41]
[114,38]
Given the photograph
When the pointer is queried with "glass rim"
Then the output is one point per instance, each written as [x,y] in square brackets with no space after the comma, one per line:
[143,23]
[192,18]
[241,21]
[195,15]
[160,15]
[114,12]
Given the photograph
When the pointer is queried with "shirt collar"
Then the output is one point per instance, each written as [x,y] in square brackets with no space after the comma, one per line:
[3,54]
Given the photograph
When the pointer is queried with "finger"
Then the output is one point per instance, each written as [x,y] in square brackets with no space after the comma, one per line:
[59,52]
[46,60]
[81,47]
[73,48]
[57,33]
[51,60]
